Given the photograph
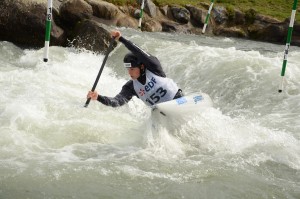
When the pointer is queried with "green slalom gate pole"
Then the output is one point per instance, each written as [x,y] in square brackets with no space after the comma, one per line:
[207,16]
[48,30]
[141,14]
[287,46]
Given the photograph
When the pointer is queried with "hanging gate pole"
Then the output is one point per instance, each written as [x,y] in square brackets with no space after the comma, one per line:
[141,14]
[287,46]
[48,30]
[207,16]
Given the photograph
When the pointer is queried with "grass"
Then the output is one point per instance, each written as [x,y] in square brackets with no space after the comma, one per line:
[279,9]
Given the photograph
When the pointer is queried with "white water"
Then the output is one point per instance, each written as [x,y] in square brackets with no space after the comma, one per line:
[247,146]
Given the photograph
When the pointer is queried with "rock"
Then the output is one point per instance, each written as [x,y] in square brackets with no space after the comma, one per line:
[149,8]
[151,26]
[103,9]
[137,13]
[250,16]
[296,29]
[197,16]
[275,33]
[74,11]
[267,29]
[296,35]
[128,11]
[168,26]
[164,10]
[239,18]
[270,33]
[219,15]
[91,35]
[181,15]
[230,32]
[266,19]
[24,24]
[126,21]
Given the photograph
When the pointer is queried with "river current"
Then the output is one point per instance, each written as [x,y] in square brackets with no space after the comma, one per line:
[246,146]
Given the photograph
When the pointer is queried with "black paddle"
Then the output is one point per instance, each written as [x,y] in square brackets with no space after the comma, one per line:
[100,71]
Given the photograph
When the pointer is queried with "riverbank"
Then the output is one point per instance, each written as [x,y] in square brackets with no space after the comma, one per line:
[87,23]
[278,9]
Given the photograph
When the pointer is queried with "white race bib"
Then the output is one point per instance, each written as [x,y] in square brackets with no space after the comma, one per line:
[156,89]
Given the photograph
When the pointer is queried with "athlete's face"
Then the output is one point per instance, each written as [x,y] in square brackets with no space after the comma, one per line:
[134,72]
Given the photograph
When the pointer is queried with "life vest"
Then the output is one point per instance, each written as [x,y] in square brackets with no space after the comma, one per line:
[156,89]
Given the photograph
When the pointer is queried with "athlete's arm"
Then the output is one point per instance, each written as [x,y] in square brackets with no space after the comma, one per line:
[149,61]
[120,99]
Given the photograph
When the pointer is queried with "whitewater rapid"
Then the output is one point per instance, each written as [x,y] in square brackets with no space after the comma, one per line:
[246,146]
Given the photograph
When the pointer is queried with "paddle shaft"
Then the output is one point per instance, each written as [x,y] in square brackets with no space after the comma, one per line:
[100,71]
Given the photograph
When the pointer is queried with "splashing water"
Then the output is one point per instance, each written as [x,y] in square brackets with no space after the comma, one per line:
[246,146]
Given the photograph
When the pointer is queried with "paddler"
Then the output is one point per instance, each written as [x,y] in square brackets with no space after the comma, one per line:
[148,80]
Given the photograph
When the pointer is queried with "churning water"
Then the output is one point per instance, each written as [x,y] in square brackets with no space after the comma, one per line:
[246,146]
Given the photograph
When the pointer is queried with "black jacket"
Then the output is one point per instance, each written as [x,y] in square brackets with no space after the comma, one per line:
[150,63]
